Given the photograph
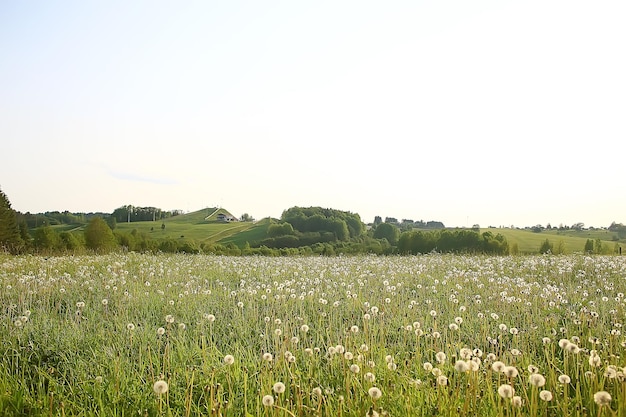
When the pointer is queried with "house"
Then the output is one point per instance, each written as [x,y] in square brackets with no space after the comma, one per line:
[222,217]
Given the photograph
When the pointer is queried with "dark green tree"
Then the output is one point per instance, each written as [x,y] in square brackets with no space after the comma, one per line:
[46,239]
[387,231]
[546,247]
[589,246]
[10,239]
[99,236]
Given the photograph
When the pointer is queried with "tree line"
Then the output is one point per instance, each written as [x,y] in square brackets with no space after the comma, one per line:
[299,231]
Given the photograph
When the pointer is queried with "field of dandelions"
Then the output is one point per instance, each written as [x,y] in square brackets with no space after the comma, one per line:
[175,335]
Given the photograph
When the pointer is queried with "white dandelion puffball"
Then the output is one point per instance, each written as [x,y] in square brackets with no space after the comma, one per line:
[375,393]
[506,391]
[602,398]
[160,387]
[537,380]
[545,395]
[229,359]
[268,400]
[279,388]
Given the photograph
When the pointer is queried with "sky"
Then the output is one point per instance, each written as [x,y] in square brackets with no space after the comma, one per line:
[495,113]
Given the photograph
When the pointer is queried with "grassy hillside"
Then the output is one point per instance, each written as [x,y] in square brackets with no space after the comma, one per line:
[574,241]
[201,225]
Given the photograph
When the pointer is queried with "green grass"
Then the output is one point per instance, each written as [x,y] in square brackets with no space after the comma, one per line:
[201,225]
[91,335]
[529,242]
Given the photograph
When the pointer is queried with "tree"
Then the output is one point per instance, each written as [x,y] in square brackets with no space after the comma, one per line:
[387,231]
[99,236]
[589,246]
[10,239]
[245,217]
[546,247]
[46,239]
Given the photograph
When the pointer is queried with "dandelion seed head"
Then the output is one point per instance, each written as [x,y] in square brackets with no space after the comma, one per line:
[537,380]
[375,393]
[278,387]
[160,387]
[602,398]
[267,400]
[545,395]
[506,391]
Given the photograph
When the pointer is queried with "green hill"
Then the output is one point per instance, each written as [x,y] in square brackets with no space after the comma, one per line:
[202,226]
[528,241]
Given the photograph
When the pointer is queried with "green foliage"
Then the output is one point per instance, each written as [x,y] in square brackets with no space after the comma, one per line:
[387,231]
[47,239]
[280,229]
[343,224]
[99,236]
[589,246]
[452,241]
[546,247]
[10,238]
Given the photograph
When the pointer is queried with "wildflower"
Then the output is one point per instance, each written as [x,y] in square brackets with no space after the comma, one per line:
[278,388]
[442,380]
[18,323]
[304,328]
[564,379]
[516,401]
[354,329]
[182,326]
[169,319]
[441,357]
[537,380]
[317,391]
[515,352]
[461,366]
[458,320]
[453,326]
[130,326]
[392,366]
[210,318]
[546,340]
[506,391]
[510,371]
[375,393]
[602,398]
[354,368]
[229,359]
[594,359]
[370,377]
[428,366]
[160,331]
[465,353]
[348,355]
[268,357]
[99,380]
[160,387]
[545,395]
[268,400]
[105,302]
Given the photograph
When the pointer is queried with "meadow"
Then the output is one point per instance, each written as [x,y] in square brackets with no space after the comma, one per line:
[182,335]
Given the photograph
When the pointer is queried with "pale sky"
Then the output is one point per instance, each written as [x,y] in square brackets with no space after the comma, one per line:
[490,112]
